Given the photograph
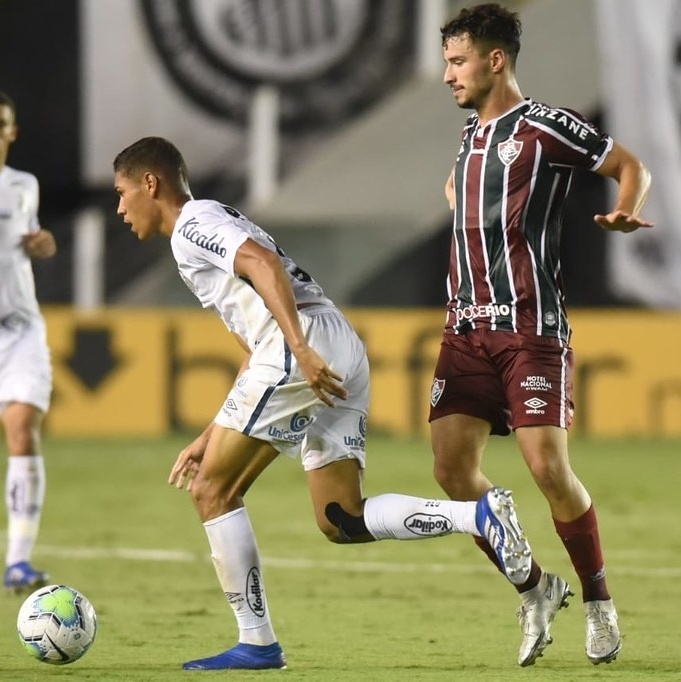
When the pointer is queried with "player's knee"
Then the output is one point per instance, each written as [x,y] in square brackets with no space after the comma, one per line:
[200,491]
[22,424]
[443,476]
[548,472]
[209,506]
[455,482]
[211,497]
[23,441]
[330,532]
[342,527]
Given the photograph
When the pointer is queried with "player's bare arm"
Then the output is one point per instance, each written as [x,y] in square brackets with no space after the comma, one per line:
[449,192]
[634,182]
[264,270]
[40,244]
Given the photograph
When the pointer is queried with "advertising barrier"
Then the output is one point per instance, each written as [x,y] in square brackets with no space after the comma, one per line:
[131,372]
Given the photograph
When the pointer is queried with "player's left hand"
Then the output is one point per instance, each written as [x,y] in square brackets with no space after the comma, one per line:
[620,221]
[39,244]
[320,377]
[187,466]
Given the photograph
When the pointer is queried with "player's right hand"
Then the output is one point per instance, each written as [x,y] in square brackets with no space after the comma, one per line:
[320,377]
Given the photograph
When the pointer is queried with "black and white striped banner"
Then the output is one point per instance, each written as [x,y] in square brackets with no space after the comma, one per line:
[641,48]
[187,70]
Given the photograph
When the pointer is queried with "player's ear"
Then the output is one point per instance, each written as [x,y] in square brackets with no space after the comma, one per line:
[497,60]
[151,183]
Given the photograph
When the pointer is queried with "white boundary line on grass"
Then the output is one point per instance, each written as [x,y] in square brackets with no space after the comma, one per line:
[178,556]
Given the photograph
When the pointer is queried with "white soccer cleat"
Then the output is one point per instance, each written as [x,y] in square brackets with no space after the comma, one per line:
[603,641]
[496,520]
[536,613]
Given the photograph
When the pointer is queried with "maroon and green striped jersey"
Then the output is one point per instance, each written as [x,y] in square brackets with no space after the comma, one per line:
[511,179]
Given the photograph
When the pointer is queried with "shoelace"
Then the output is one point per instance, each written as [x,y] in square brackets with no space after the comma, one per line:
[602,626]
[523,614]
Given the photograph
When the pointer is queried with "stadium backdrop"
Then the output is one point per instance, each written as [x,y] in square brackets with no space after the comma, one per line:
[150,372]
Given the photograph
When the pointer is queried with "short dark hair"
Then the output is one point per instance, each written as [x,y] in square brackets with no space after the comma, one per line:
[490,25]
[7,101]
[154,154]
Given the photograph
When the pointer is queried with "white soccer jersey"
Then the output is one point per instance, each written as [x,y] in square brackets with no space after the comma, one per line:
[205,240]
[18,216]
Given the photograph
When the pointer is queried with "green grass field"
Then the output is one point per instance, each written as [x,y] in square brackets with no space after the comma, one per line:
[429,610]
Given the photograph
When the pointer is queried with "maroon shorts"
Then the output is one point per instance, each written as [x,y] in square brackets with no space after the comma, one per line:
[506,378]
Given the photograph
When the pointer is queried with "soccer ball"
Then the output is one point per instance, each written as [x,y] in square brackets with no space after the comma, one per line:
[57,624]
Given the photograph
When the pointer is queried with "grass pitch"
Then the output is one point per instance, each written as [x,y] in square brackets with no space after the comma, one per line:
[429,610]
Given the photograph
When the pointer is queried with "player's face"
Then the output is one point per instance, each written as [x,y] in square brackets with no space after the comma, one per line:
[8,131]
[136,206]
[468,73]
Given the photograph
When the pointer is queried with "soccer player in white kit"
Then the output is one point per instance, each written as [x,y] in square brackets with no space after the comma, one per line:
[286,399]
[25,369]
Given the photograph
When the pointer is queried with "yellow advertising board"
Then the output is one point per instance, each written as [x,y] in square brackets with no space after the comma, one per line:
[132,372]
[628,373]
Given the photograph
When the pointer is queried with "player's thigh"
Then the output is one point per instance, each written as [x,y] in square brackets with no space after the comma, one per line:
[467,382]
[231,464]
[341,482]
[458,442]
[25,369]
[545,451]
[538,378]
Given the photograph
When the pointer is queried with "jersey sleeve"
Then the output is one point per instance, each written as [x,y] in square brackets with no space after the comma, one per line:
[211,236]
[29,200]
[569,139]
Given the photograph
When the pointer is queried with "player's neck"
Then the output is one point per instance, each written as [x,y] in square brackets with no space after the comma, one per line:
[170,212]
[499,101]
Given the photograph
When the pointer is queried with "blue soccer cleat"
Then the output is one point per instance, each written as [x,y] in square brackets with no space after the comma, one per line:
[22,577]
[496,521]
[242,657]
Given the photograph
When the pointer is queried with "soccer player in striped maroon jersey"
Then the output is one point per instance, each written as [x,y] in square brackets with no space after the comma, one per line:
[505,362]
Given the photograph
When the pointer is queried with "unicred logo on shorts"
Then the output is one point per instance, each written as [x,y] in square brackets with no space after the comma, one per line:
[300,422]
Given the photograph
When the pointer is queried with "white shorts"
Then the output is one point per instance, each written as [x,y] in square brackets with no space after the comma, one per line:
[271,400]
[25,369]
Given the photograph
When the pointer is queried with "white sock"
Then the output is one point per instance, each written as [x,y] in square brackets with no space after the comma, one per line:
[24,495]
[237,564]
[402,517]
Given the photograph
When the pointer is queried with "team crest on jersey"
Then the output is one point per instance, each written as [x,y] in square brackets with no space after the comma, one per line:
[509,150]
[436,391]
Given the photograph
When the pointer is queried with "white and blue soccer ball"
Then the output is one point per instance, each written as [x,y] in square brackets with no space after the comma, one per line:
[57,624]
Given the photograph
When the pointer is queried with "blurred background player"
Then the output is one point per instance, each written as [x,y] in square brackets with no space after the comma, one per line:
[505,360]
[25,368]
[282,401]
